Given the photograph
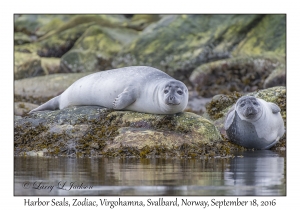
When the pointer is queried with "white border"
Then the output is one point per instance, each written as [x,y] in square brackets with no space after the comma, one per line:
[9,8]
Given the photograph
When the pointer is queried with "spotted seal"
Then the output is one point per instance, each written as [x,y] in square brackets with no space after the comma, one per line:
[254,123]
[136,88]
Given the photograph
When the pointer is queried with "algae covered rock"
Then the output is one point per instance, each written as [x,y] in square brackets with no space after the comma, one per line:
[277,77]
[96,48]
[27,65]
[21,38]
[94,131]
[217,109]
[31,65]
[240,74]
[267,37]
[177,44]
[38,24]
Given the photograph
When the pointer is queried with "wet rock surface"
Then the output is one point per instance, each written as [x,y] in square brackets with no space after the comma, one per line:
[93,131]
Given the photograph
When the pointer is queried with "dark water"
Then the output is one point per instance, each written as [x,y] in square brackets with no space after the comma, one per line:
[256,173]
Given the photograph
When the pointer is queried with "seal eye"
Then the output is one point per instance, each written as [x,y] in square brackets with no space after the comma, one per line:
[166,91]
[255,103]
[242,105]
[179,92]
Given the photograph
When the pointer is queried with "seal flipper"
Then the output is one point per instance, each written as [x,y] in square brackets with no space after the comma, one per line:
[49,105]
[124,99]
[274,107]
[229,118]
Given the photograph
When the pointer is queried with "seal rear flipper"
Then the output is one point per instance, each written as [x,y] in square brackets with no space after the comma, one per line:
[273,143]
[274,107]
[229,118]
[124,99]
[49,105]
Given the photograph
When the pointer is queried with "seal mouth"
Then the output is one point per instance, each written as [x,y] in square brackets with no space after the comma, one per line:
[250,115]
[172,104]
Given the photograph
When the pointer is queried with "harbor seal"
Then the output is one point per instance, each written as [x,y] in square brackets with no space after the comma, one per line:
[254,123]
[136,88]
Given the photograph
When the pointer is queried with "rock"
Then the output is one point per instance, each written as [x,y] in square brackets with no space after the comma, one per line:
[60,43]
[94,131]
[31,65]
[277,77]
[78,20]
[27,65]
[21,38]
[217,109]
[61,39]
[22,108]
[51,65]
[241,74]
[38,24]
[38,90]
[268,37]
[96,48]
[178,44]
[141,21]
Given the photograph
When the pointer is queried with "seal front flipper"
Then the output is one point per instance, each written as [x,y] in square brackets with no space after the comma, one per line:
[124,99]
[274,107]
[229,118]
[49,105]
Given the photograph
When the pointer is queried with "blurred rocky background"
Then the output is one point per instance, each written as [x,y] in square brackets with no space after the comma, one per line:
[211,54]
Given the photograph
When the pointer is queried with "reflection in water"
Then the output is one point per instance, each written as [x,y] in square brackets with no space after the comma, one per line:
[263,172]
[257,173]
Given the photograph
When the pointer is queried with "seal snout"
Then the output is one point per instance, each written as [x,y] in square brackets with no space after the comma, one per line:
[250,112]
[172,100]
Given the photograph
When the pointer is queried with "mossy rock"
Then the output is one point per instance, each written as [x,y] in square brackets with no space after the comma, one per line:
[51,65]
[21,38]
[217,109]
[177,44]
[31,65]
[93,131]
[277,77]
[240,74]
[96,48]
[61,39]
[27,65]
[58,44]
[38,24]
[267,38]
[141,21]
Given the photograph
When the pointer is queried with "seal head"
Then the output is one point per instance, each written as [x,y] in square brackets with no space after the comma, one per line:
[172,96]
[249,108]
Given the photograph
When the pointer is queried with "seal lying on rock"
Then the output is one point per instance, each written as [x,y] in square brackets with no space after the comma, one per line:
[135,88]
[254,123]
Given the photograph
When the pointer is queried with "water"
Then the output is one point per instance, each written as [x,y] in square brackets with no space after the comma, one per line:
[252,173]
